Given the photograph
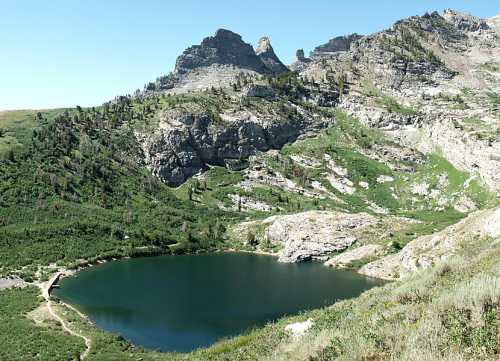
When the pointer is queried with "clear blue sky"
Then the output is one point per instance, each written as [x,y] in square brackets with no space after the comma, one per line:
[59,53]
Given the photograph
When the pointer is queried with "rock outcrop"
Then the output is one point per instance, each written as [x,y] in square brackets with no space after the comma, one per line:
[301,62]
[425,251]
[301,56]
[312,235]
[339,43]
[361,253]
[217,61]
[187,142]
[259,91]
[225,48]
[464,21]
[266,53]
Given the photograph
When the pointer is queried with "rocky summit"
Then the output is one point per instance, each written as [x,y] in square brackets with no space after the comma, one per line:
[217,61]
[224,48]
[339,43]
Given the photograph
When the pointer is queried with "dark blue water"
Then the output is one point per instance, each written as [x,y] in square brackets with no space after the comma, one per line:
[180,303]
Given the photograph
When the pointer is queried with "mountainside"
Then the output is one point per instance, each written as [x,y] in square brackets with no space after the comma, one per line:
[379,153]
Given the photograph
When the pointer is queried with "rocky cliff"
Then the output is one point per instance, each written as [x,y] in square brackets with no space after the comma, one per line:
[224,48]
[187,142]
[421,81]
[217,61]
[266,53]
[335,45]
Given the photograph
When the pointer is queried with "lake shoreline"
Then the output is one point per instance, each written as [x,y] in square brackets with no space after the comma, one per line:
[85,264]
[231,277]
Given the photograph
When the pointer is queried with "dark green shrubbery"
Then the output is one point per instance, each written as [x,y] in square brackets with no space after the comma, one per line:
[75,190]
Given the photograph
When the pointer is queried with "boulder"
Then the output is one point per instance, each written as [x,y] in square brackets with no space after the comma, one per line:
[259,91]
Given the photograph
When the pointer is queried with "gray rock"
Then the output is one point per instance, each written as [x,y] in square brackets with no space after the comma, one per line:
[259,91]
[301,63]
[219,53]
[340,43]
[300,55]
[464,22]
[314,234]
[266,53]
[186,143]
[225,48]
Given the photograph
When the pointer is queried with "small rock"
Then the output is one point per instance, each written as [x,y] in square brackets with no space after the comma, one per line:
[299,329]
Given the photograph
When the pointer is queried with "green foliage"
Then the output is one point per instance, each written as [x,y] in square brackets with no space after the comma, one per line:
[493,67]
[22,340]
[493,98]
[406,44]
[74,190]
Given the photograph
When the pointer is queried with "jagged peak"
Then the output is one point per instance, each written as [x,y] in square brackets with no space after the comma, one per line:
[227,34]
[225,48]
[264,46]
[300,55]
[339,43]
[266,53]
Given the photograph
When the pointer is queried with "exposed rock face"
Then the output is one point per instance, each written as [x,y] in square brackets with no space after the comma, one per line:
[411,62]
[186,142]
[259,91]
[266,53]
[225,48]
[463,21]
[440,133]
[301,62]
[217,61]
[314,234]
[360,253]
[427,250]
[417,61]
[300,55]
[340,43]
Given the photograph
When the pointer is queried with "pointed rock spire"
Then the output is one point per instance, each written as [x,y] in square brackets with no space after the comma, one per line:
[266,53]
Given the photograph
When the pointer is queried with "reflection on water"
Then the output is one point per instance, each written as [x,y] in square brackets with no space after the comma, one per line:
[180,303]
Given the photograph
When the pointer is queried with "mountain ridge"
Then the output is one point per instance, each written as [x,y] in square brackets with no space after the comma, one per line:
[381,156]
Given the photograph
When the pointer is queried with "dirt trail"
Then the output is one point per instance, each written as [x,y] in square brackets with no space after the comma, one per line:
[46,288]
